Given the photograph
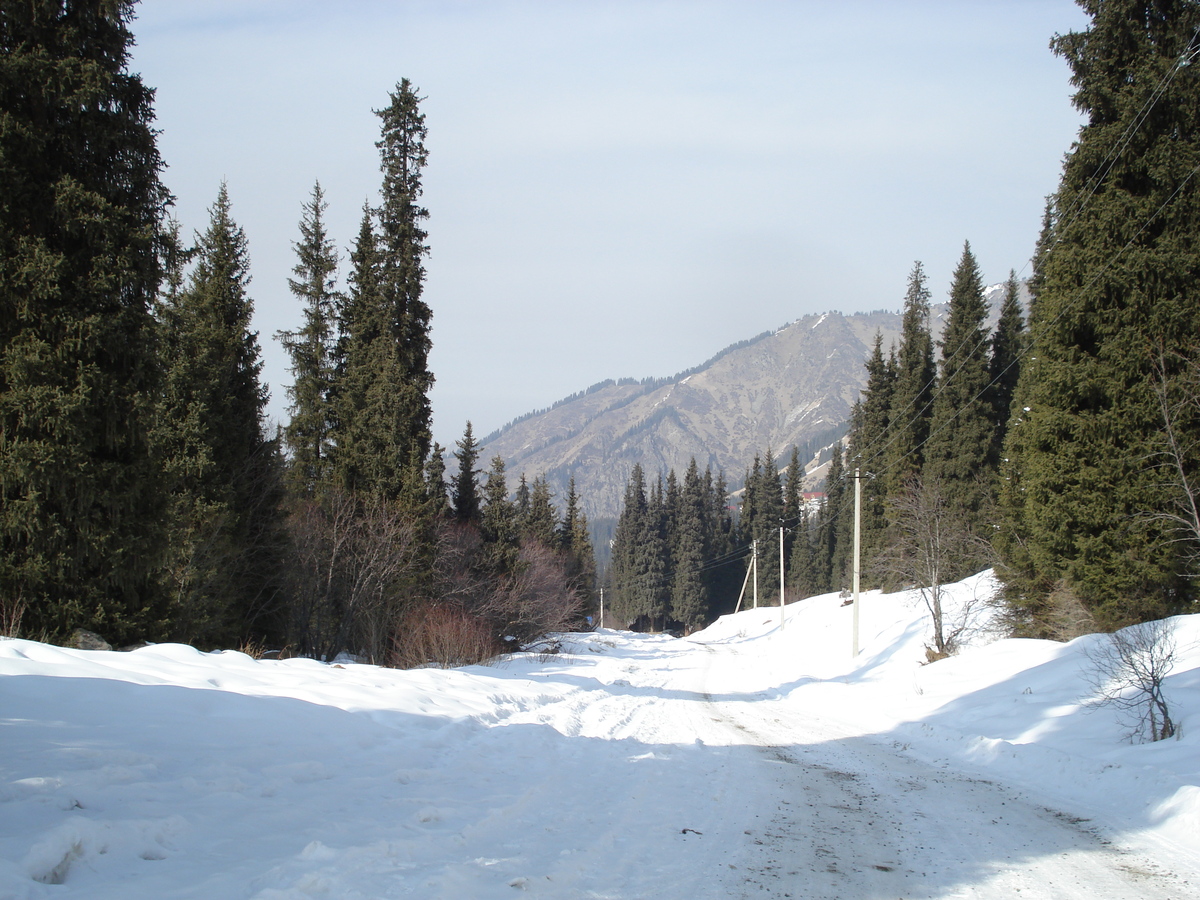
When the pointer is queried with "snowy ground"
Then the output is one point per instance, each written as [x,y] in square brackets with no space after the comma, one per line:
[742,762]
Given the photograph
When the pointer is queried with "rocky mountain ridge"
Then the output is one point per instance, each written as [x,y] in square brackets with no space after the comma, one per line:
[791,386]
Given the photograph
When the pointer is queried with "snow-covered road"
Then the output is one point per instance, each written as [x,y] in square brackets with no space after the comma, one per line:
[744,762]
[858,816]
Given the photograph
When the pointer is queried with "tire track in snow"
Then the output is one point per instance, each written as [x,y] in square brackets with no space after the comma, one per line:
[853,817]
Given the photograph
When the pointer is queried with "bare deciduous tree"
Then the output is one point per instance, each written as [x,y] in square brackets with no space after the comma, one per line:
[1127,670]
[351,558]
[538,598]
[1179,403]
[932,545]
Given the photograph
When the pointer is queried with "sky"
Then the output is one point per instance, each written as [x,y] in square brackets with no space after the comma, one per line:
[619,189]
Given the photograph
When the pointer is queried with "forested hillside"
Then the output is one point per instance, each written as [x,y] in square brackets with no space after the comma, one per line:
[786,387]
[1064,450]
[1049,426]
[144,496]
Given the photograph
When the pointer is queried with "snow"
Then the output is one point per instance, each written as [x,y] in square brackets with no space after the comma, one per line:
[744,761]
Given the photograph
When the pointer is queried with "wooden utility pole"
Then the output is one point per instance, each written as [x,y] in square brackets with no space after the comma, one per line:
[754,562]
[781,575]
[857,548]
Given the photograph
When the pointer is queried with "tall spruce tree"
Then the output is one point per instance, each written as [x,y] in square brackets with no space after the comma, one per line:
[723,580]
[467,506]
[383,412]
[435,483]
[654,559]
[793,488]
[1116,287]
[540,521]
[223,471]
[689,589]
[499,521]
[912,395]
[360,360]
[81,519]
[870,430]
[521,500]
[1004,367]
[624,575]
[803,579]
[831,551]
[770,521]
[308,434]
[762,516]
[402,273]
[577,544]
[961,430]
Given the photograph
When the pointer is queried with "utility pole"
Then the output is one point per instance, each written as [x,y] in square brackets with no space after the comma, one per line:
[742,592]
[781,575]
[754,562]
[857,548]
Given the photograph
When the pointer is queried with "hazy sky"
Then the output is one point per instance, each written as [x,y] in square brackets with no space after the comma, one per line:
[620,189]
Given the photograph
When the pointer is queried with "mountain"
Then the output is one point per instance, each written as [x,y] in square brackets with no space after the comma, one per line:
[779,388]
[792,386]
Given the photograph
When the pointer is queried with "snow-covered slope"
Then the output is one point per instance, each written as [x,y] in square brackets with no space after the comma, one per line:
[745,761]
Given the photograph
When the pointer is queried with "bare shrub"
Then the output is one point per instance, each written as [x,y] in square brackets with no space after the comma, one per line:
[538,598]
[1127,670]
[457,575]
[351,560]
[443,635]
[1065,617]
[12,610]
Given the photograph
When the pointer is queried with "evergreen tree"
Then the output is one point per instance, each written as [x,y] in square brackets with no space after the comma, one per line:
[308,433]
[958,453]
[223,472]
[361,362]
[803,578]
[748,513]
[383,413]
[1024,590]
[435,483]
[830,549]
[522,500]
[1115,289]
[870,431]
[577,544]
[499,521]
[912,396]
[653,558]
[466,486]
[723,580]
[1004,368]
[793,488]
[540,522]
[1044,242]
[81,519]
[768,514]
[624,574]
[403,249]
[689,589]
